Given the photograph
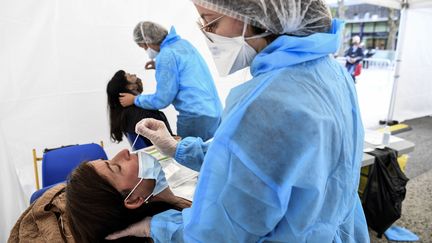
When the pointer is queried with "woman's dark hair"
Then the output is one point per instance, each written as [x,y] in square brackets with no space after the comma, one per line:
[117,84]
[96,209]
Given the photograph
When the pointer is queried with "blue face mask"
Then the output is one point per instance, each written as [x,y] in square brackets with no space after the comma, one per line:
[150,168]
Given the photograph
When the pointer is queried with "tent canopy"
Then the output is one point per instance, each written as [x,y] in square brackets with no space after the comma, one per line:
[389,3]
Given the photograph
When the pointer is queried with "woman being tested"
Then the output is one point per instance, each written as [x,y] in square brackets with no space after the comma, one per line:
[284,164]
[107,195]
[183,79]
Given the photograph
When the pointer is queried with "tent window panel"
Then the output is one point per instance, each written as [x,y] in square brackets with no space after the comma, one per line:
[368,28]
[356,28]
[381,27]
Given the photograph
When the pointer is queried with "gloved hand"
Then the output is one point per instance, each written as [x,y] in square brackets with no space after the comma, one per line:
[139,229]
[126,99]
[158,134]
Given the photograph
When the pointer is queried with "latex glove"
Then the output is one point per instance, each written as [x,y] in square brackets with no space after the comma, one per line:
[150,65]
[139,229]
[158,134]
[126,99]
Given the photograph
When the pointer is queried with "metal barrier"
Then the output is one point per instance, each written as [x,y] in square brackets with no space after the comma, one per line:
[371,63]
[377,63]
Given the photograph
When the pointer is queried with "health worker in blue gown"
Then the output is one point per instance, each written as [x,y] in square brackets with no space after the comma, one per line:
[183,79]
[284,164]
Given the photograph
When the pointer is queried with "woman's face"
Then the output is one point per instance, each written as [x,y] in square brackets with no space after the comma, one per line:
[122,173]
[131,78]
[134,83]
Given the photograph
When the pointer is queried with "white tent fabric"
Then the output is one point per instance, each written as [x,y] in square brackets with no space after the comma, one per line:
[55,59]
[388,3]
[413,96]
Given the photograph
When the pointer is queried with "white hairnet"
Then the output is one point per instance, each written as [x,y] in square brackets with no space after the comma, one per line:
[293,17]
[149,33]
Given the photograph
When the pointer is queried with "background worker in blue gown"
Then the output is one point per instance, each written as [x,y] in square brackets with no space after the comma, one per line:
[183,79]
[284,164]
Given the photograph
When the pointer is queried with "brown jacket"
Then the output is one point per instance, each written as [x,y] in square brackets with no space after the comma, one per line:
[44,220]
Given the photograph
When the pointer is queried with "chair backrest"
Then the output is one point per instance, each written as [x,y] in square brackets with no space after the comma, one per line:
[58,163]
[140,143]
[39,193]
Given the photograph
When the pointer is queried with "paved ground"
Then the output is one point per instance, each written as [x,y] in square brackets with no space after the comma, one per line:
[417,206]
[420,160]
[416,209]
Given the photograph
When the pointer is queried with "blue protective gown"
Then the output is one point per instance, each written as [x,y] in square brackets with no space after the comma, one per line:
[184,80]
[284,164]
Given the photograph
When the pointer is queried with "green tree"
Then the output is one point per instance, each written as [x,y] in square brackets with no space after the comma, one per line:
[341,15]
[393,24]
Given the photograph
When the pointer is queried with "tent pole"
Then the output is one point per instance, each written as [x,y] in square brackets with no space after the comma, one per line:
[401,32]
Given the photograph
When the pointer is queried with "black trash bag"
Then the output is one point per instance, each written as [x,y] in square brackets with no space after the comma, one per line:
[384,192]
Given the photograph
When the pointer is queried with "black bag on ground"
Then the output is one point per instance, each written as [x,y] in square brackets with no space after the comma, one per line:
[384,192]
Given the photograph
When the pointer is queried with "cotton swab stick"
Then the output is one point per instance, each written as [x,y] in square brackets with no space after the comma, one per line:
[133,144]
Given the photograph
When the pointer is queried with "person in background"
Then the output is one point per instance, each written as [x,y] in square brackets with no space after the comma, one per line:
[284,165]
[183,79]
[368,53]
[354,56]
[123,119]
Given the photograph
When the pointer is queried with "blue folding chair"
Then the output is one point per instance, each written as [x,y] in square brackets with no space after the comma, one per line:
[57,163]
[39,193]
[140,143]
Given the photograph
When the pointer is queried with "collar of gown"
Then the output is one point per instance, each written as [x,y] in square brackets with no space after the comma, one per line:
[290,50]
[170,38]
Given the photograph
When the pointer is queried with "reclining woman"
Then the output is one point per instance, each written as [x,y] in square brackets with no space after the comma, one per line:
[103,196]
[123,119]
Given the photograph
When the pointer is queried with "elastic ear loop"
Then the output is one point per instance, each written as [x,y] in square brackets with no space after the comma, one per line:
[266,33]
[244,29]
[130,193]
[142,32]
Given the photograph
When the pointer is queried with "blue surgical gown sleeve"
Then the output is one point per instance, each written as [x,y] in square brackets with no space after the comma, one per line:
[190,152]
[167,83]
[167,227]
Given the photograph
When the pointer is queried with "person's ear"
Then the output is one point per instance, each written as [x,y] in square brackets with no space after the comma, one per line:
[134,202]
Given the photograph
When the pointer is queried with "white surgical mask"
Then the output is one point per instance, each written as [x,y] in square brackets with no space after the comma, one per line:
[151,53]
[150,168]
[231,53]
